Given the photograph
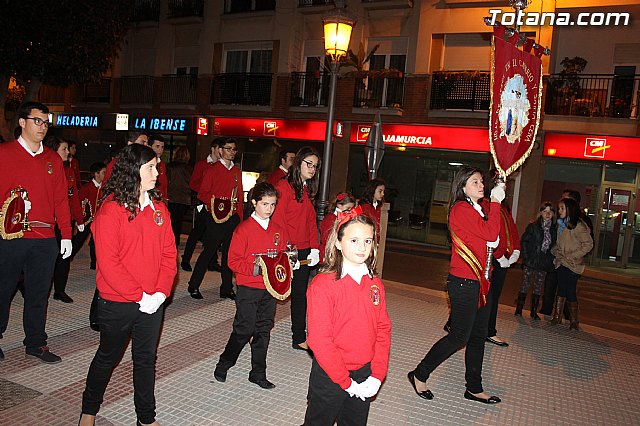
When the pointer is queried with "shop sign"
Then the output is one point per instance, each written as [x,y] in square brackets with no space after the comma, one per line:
[203,126]
[162,124]
[591,147]
[77,120]
[438,137]
[122,121]
[270,128]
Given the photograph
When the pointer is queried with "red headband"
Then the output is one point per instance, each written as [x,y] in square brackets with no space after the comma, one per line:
[341,196]
[344,217]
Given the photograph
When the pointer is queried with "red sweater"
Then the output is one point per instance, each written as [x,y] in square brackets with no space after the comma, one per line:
[248,238]
[298,218]
[198,173]
[75,166]
[72,191]
[474,231]
[220,181]
[507,244]
[326,226]
[44,179]
[162,183]
[133,256]
[91,194]
[374,213]
[276,176]
[346,330]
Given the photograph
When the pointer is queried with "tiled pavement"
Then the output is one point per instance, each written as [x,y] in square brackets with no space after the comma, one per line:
[548,376]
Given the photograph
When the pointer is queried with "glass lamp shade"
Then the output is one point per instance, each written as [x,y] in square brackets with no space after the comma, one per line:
[337,35]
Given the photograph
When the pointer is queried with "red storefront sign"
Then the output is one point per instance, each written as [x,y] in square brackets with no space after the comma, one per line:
[270,128]
[592,147]
[436,137]
[202,127]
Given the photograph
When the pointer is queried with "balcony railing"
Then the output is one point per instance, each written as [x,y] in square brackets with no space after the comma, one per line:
[179,89]
[186,8]
[305,3]
[240,6]
[460,90]
[96,92]
[146,10]
[136,89]
[593,95]
[241,89]
[309,89]
[379,93]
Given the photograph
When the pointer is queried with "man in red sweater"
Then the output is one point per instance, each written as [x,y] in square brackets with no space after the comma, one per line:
[26,163]
[286,161]
[222,180]
[162,184]
[133,136]
[90,193]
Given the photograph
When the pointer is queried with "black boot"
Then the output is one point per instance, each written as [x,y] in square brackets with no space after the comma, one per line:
[521,298]
[535,298]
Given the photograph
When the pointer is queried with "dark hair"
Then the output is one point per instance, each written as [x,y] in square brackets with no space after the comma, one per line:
[124,182]
[459,182]
[284,152]
[53,142]
[96,167]
[17,132]
[133,135]
[294,177]
[573,212]
[263,189]
[370,189]
[71,143]
[217,142]
[538,219]
[182,154]
[158,138]
[345,198]
[333,256]
[573,194]
[25,109]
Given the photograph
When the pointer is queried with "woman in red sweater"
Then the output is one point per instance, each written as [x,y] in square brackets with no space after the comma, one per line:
[349,328]
[344,202]
[372,199]
[295,214]
[136,266]
[472,231]
[255,307]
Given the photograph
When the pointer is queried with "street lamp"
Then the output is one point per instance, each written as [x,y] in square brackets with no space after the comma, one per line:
[337,34]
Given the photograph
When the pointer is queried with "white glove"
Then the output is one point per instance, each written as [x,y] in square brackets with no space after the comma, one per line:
[296,266]
[199,208]
[498,192]
[65,248]
[81,228]
[27,206]
[493,244]
[355,389]
[314,257]
[149,304]
[514,257]
[504,262]
[371,386]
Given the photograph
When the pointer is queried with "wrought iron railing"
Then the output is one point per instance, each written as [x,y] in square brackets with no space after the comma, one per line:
[185,8]
[241,89]
[240,6]
[379,92]
[96,92]
[146,10]
[309,88]
[136,89]
[461,90]
[592,95]
[179,89]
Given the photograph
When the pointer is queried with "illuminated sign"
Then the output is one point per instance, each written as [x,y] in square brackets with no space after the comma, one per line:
[122,121]
[270,128]
[77,120]
[202,128]
[162,124]
[437,137]
[592,147]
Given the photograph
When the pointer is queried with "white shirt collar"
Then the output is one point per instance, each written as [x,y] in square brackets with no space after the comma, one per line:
[355,272]
[224,162]
[24,144]
[375,204]
[264,223]
[96,183]
[477,207]
[210,159]
[147,202]
[283,169]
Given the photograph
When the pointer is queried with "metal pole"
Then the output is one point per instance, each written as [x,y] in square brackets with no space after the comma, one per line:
[323,194]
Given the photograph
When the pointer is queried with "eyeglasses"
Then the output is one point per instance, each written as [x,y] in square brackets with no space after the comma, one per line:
[39,121]
[230,149]
[310,164]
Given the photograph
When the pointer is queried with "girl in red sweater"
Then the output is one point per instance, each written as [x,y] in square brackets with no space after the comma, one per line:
[349,328]
[372,199]
[255,307]
[344,202]
[136,266]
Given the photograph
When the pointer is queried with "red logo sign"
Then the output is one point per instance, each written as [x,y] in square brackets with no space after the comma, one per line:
[595,147]
[270,128]
[203,126]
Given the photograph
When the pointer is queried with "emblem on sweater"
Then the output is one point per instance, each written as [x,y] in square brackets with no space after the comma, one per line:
[49,168]
[221,206]
[276,239]
[374,294]
[157,217]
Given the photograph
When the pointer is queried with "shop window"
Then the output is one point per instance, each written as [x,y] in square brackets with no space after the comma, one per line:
[620,174]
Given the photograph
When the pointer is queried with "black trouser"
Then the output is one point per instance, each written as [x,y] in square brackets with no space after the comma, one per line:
[61,270]
[468,327]
[37,258]
[215,234]
[299,284]
[78,241]
[177,212]
[120,321]
[328,402]
[196,234]
[498,276]
[255,311]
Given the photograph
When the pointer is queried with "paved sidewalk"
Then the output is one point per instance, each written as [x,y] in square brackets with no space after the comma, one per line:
[547,376]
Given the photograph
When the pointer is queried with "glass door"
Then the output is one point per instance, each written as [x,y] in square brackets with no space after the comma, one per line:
[618,225]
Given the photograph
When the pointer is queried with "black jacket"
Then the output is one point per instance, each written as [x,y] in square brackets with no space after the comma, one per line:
[531,242]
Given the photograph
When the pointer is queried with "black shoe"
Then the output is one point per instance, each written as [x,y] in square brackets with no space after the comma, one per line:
[300,348]
[500,343]
[220,375]
[63,297]
[44,355]
[1,355]
[196,294]
[231,295]
[447,328]
[94,326]
[490,400]
[92,266]
[263,383]
[186,266]
[214,268]
[424,394]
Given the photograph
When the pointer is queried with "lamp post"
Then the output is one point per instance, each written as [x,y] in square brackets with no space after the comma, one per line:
[337,34]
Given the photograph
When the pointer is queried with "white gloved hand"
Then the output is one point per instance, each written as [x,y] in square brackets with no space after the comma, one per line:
[296,266]
[514,257]
[199,208]
[145,302]
[314,257]
[65,248]
[81,227]
[371,386]
[149,304]
[355,389]
[498,192]
[504,262]
[493,244]
[27,206]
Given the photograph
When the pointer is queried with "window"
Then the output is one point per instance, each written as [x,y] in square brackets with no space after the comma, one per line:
[248,61]
[187,71]
[239,6]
